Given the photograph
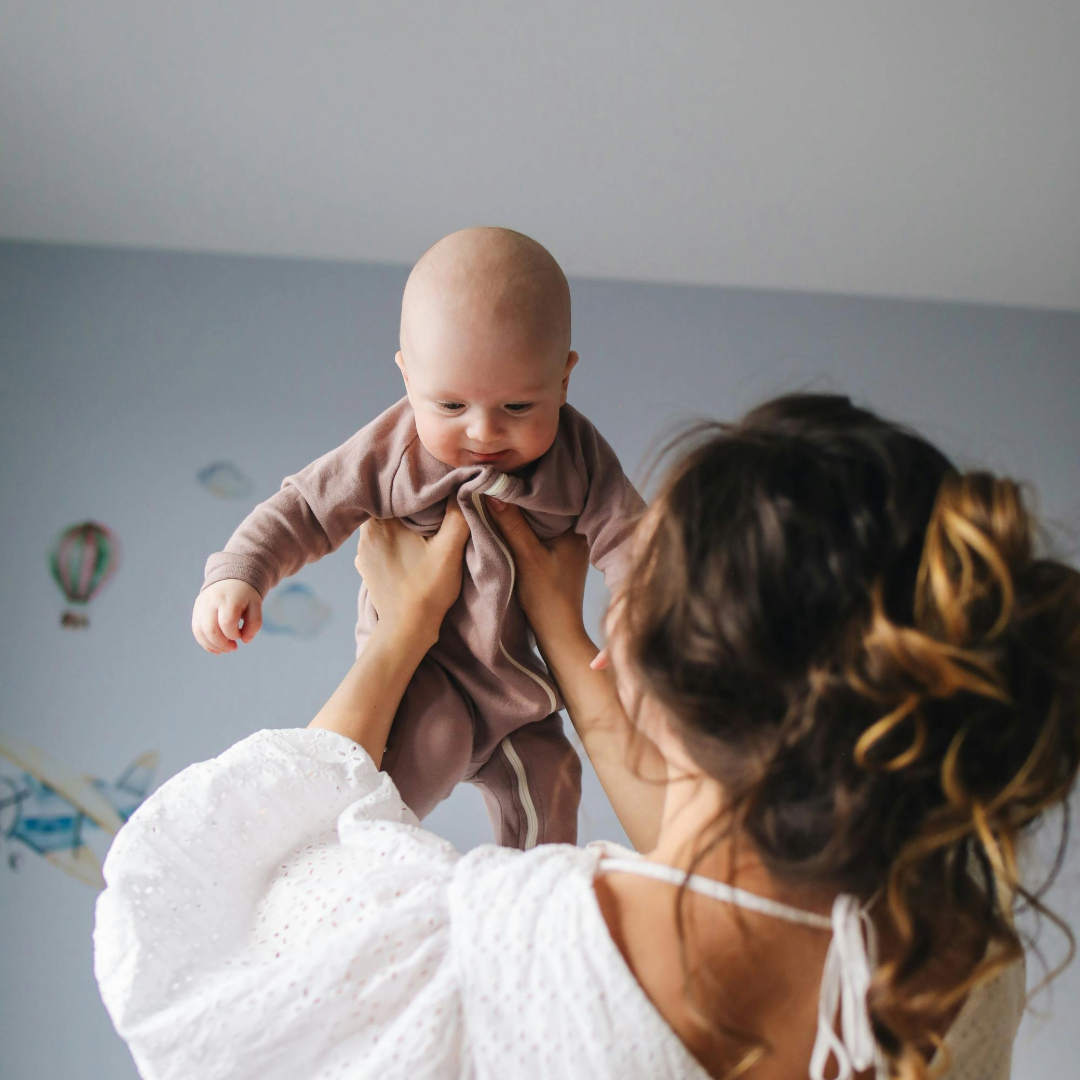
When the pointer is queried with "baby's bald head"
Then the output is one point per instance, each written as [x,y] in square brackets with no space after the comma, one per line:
[489,280]
[485,348]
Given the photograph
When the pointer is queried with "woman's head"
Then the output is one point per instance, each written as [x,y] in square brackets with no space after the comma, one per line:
[862,645]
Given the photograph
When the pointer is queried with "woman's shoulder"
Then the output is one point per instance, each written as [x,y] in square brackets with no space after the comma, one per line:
[507,895]
[532,885]
[491,866]
[543,984]
[495,889]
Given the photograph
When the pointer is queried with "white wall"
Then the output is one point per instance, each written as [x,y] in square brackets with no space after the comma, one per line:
[914,149]
[121,374]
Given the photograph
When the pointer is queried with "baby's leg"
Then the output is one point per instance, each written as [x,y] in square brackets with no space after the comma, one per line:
[532,786]
[430,742]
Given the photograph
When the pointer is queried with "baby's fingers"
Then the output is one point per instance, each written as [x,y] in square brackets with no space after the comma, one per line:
[208,634]
[223,629]
[229,616]
[252,621]
[202,639]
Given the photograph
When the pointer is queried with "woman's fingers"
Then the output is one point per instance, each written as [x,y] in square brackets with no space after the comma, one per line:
[515,529]
[454,531]
[408,576]
[570,547]
[376,541]
[570,551]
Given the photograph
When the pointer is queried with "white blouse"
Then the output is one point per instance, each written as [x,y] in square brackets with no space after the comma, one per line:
[277,912]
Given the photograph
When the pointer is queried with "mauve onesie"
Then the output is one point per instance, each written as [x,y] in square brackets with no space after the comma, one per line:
[481,707]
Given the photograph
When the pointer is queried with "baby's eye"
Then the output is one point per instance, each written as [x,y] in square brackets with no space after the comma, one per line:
[520,406]
[450,406]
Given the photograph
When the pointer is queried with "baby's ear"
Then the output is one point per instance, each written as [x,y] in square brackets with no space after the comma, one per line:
[571,362]
[400,361]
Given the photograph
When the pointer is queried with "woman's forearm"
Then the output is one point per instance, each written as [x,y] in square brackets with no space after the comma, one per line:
[630,769]
[363,706]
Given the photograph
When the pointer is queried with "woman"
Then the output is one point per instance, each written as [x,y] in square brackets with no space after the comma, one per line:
[843,683]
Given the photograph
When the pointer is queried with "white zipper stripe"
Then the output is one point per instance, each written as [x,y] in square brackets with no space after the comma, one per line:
[510,559]
[533,824]
[498,486]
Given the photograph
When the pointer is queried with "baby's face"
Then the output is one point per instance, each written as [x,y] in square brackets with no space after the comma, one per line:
[484,394]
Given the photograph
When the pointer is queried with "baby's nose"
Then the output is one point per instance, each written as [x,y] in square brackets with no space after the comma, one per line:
[483,429]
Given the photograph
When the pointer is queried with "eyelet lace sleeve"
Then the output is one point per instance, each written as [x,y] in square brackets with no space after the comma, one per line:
[277,912]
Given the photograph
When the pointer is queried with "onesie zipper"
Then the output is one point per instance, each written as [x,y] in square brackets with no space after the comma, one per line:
[493,491]
[532,824]
[531,821]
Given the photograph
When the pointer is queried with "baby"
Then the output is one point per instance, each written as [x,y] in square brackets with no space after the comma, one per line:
[486,359]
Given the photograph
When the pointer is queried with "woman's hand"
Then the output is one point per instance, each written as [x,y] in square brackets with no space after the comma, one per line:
[412,581]
[551,587]
[550,576]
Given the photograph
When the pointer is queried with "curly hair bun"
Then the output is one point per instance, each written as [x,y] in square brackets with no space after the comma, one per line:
[986,680]
[863,645]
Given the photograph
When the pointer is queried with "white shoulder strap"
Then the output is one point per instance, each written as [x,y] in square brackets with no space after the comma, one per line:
[718,890]
[849,964]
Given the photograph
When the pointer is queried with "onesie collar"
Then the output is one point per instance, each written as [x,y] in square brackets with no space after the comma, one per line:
[502,485]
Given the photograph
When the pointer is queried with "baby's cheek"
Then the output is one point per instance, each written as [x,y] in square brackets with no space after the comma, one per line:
[541,435]
[439,441]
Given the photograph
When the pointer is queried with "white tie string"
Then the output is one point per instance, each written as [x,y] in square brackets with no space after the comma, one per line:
[849,966]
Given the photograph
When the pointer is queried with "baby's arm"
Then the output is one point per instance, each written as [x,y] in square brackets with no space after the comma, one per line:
[313,513]
[612,504]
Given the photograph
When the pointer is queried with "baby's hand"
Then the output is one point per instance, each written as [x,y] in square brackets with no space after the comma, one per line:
[215,622]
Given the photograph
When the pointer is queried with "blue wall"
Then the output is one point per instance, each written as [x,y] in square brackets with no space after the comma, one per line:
[123,373]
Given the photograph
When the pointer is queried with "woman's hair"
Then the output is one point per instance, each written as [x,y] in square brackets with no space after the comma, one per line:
[864,647]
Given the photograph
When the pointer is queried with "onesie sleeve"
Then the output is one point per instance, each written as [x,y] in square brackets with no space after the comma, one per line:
[317,509]
[612,504]
[277,912]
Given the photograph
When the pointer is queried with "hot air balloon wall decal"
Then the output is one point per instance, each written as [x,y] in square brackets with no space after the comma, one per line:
[82,560]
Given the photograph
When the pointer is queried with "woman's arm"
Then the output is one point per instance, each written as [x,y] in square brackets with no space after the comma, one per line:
[551,587]
[629,767]
[412,583]
[364,705]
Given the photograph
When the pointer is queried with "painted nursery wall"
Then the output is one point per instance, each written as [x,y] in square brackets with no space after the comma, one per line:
[123,374]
